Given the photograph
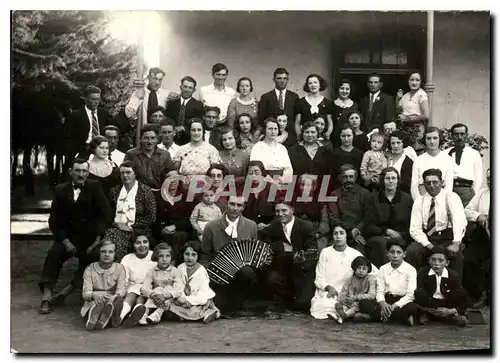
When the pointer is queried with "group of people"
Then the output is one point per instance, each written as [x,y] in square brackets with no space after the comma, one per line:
[145,233]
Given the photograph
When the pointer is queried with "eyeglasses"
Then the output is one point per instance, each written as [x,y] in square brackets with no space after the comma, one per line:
[432,182]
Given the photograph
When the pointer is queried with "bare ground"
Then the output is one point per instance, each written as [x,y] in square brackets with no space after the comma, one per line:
[63,331]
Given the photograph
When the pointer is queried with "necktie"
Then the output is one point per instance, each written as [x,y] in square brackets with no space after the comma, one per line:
[370,106]
[152,100]
[431,221]
[182,113]
[280,101]
[458,154]
[95,125]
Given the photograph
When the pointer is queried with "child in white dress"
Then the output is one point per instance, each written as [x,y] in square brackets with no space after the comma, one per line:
[136,264]
[196,300]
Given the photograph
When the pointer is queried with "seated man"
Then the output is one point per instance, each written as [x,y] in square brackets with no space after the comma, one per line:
[78,217]
[477,252]
[290,277]
[437,218]
[230,298]
[439,294]
[350,206]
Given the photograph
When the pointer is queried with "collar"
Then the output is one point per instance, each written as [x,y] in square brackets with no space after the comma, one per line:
[215,88]
[75,187]
[185,100]
[292,221]
[277,91]
[354,189]
[444,274]
[89,111]
[229,222]
[383,199]
[398,269]
[156,150]
[319,143]
[375,95]
[169,268]
[441,193]
[102,271]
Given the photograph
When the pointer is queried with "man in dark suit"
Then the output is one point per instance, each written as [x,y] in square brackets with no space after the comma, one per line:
[290,277]
[213,133]
[377,107]
[84,124]
[279,100]
[79,215]
[439,292]
[184,108]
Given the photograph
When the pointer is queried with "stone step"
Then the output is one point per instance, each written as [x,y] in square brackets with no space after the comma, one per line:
[40,206]
[30,226]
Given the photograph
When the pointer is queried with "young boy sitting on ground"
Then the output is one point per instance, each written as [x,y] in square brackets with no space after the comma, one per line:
[439,294]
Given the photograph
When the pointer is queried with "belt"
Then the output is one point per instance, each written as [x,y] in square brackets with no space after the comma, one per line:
[460,182]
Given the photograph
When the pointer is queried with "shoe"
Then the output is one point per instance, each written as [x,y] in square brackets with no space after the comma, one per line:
[411,320]
[482,302]
[155,317]
[272,315]
[117,309]
[424,319]
[58,300]
[361,317]
[94,314]
[44,307]
[136,316]
[335,318]
[144,320]
[105,316]
[458,320]
[340,310]
[210,317]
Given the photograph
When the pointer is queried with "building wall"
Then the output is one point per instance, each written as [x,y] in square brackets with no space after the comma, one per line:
[254,44]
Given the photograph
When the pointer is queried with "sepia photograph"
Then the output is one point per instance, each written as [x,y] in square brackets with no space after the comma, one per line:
[252,182]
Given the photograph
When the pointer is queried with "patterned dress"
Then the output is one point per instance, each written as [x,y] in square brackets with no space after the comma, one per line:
[145,215]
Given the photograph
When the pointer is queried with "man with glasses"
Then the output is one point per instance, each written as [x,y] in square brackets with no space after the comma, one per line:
[279,100]
[217,93]
[437,218]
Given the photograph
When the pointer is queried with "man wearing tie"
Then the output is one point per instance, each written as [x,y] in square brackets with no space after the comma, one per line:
[184,108]
[279,100]
[84,124]
[218,233]
[149,97]
[477,253]
[79,215]
[377,107]
[437,218]
[468,173]
[290,277]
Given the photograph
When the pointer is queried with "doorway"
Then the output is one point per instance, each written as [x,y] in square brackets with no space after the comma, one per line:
[391,83]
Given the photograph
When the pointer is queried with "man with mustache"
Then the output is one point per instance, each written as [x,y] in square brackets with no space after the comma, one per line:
[79,214]
[349,207]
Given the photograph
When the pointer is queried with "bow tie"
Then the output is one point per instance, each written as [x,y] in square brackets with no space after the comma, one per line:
[77,188]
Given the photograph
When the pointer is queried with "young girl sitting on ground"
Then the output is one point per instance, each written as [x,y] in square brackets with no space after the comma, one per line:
[162,283]
[361,286]
[204,212]
[137,265]
[196,300]
[103,289]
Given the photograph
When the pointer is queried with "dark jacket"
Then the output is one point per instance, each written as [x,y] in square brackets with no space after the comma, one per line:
[269,107]
[194,108]
[302,163]
[302,236]
[406,173]
[81,221]
[381,214]
[383,110]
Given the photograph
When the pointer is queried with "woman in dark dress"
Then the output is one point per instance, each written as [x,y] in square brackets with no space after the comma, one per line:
[100,167]
[346,153]
[308,108]
[310,156]
[398,159]
[134,208]
[342,106]
[173,212]
[285,138]
[360,141]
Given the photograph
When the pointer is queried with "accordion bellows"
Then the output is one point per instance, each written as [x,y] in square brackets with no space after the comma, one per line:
[235,255]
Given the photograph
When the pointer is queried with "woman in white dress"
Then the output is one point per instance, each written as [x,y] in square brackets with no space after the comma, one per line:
[332,271]
[137,265]
[272,154]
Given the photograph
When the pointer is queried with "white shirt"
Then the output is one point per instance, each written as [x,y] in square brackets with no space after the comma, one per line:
[401,281]
[374,96]
[277,91]
[398,164]
[274,158]
[207,136]
[449,212]
[470,168]
[479,204]
[89,115]
[76,193]
[437,293]
[136,268]
[232,228]
[441,161]
[133,105]
[185,101]
[172,150]
[287,229]
[211,96]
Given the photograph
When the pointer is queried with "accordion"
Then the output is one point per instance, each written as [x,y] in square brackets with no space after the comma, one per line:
[235,255]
